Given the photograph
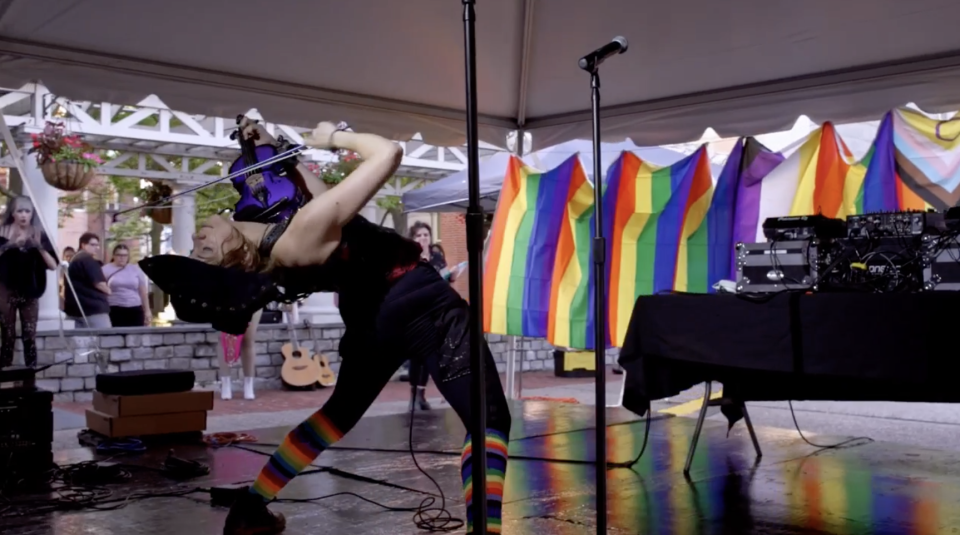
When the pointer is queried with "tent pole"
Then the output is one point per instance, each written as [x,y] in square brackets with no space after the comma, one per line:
[478,426]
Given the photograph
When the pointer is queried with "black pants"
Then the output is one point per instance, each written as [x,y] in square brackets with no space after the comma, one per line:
[409,326]
[126,316]
[11,302]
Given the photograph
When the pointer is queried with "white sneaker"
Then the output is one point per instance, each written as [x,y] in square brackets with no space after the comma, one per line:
[226,388]
[248,388]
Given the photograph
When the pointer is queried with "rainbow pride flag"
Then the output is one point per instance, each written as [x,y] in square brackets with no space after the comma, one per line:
[927,158]
[821,177]
[748,165]
[881,185]
[732,217]
[649,215]
[536,276]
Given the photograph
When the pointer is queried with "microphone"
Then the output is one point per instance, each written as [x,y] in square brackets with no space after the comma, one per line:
[591,61]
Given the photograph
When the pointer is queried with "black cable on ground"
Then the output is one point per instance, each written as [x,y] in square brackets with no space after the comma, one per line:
[425,516]
[643,447]
[849,443]
[428,518]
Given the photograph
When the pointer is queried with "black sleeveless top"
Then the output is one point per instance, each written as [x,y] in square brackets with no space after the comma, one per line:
[369,259]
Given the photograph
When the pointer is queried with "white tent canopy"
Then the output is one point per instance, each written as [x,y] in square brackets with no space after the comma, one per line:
[450,194]
[396,68]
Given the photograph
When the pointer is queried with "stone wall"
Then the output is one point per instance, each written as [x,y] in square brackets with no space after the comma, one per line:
[196,347]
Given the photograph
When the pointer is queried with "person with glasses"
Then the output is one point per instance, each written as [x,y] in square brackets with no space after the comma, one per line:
[90,308]
[129,299]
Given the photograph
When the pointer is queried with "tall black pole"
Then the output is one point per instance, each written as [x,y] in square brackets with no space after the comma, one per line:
[599,312]
[478,426]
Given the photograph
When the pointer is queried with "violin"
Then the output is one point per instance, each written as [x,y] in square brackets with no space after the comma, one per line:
[269,194]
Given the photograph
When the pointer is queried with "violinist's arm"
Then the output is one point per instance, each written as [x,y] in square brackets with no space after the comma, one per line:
[314,232]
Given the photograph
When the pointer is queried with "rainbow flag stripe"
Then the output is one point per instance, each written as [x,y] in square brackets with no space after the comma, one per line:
[535,277]
[829,179]
[650,213]
[570,321]
[748,166]
[927,157]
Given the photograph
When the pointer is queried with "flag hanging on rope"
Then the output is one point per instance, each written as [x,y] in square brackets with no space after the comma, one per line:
[927,160]
[746,170]
[535,277]
[649,214]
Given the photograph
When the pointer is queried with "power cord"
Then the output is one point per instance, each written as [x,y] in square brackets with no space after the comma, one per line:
[80,486]
[427,518]
[846,443]
[849,443]
[643,446]
[130,445]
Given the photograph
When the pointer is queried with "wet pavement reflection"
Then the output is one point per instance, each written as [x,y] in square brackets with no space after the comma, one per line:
[869,489]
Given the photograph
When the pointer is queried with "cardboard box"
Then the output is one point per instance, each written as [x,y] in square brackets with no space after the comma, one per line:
[193,401]
[153,424]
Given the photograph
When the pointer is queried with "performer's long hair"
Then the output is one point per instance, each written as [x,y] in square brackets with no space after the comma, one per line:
[7,228]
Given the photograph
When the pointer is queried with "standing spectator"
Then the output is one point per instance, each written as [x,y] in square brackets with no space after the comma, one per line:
[129,302]
[25,256]
[86,274]
[431,253]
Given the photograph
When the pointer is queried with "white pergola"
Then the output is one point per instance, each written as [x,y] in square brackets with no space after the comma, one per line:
[171,133]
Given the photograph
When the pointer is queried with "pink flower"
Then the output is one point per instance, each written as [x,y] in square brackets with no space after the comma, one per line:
[92,157]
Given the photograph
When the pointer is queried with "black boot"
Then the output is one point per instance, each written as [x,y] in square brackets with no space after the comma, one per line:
[418,398]
[250,516]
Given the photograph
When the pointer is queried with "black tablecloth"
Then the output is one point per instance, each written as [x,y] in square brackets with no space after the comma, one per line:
[793,346]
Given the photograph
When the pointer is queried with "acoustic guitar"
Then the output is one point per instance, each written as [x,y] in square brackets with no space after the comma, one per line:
[300,369]
[327,377]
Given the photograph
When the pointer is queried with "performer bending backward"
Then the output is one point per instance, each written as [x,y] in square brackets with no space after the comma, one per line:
[394,307]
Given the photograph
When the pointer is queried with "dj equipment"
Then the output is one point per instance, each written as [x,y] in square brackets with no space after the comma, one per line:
[144,382]
[883,264]
[941,265]
[26,425]
[803,228]
[777,266]
[883,224]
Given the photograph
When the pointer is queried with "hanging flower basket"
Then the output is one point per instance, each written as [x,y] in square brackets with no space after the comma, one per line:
[67,176]
[162,213]
[66,162]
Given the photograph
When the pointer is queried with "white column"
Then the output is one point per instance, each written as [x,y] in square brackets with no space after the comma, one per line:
[184,223]
[320,309]
[46,203]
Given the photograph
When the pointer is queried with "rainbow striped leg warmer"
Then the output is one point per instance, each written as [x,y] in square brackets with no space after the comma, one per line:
[496,471]
[301,447]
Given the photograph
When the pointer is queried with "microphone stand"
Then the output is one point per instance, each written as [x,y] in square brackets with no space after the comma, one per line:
[600,328]
[478,426]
